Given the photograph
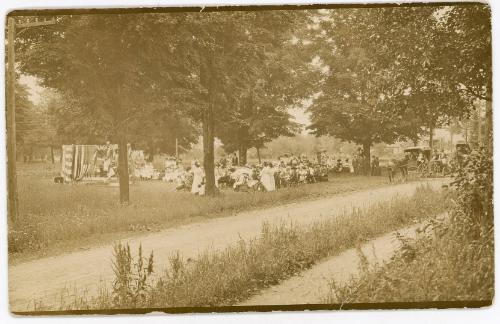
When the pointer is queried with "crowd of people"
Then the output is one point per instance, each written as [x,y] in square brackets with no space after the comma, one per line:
[286,171]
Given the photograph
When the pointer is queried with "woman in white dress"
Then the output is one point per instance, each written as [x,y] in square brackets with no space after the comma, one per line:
[197,179]
[267,177]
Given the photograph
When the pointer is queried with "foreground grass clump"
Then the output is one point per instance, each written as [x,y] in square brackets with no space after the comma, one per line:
[455,263]
[442,268]
[226,277]
[69,216]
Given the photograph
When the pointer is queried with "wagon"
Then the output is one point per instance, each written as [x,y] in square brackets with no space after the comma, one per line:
[462,150]
[414,166]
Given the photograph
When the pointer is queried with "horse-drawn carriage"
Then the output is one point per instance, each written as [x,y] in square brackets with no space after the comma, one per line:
[462,150]
[418,160]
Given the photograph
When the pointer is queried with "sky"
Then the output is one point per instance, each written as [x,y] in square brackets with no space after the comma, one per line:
[34,89]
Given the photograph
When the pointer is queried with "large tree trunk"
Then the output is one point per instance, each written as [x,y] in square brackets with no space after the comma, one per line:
[242,152]
[123,169]
[258,154]
[366,160]
[208,146]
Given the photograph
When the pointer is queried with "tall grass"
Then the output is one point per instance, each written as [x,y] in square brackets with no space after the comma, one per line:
[225,277]
[54,215]
[455,263]
[441,268]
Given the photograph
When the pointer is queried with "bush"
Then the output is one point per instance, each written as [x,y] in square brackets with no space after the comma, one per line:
[453,263]
[473,213]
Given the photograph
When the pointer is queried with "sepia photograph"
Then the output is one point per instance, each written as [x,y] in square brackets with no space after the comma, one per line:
[249,158]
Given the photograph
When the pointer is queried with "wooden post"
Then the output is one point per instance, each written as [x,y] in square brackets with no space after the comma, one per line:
[12,204]
[11,125]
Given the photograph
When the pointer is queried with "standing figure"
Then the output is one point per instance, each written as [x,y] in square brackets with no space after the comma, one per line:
[197,179]
[234,160]
[267,177]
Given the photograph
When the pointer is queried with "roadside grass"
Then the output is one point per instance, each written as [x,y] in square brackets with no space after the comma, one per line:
[226,277]
[441,267]
[454,262]
[56,217]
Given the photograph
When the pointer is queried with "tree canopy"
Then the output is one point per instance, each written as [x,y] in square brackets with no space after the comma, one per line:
[396,72]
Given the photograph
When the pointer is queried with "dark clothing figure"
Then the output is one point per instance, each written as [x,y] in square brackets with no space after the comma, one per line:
[375,166]
[234,160]
[404,167]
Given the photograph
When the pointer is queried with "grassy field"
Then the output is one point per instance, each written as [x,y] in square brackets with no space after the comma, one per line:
[56,218]
[226,277]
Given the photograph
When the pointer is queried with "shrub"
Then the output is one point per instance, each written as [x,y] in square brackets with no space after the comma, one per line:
[454,263]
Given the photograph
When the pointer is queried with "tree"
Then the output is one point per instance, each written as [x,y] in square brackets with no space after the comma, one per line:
[277,76]
[409,56]
[357,103]
[261,116]
[469,29]
[448,66]
[23,107]
[112,71]
[222,75]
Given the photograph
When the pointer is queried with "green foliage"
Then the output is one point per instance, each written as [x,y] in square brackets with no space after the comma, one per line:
[474,184]
[24,107]
[379,88]
[427,270]
[356,102]
[132,277]
[107,77]
[454,262]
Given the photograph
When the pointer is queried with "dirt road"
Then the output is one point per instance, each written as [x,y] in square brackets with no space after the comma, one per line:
[44,280]
[312,286]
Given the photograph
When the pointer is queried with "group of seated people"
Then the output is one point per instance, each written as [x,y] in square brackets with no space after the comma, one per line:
[266,176]
[272,175]
[439,159]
